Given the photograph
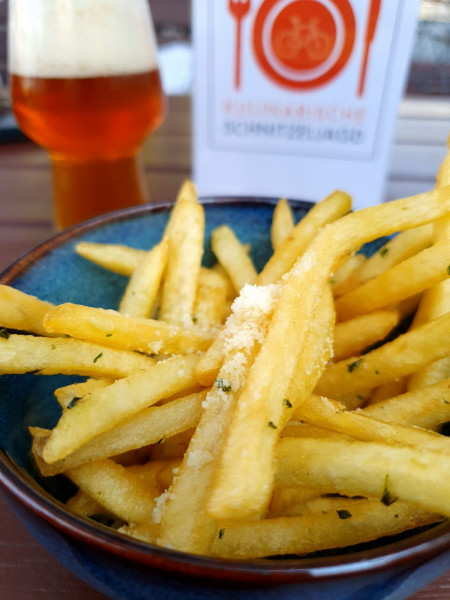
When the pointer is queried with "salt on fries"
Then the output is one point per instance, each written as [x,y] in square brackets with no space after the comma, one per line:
[243,435]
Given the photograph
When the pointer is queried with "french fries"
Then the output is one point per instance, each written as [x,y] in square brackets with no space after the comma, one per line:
[411,276]
[233,257]
[435,300]
[142,289]
[116,488]
[104,408]
[427,407]
[114,257]
[150,426]
[353,336]
[184,524]
[395,359]
[332,415]
[124,332]
[49,356]
[284,344]
[21,311]
[185,232]
[317,531]
[210,300]
[389,472]
[403,246]
[282,223]
[331,208]
[239,414]
[70,394]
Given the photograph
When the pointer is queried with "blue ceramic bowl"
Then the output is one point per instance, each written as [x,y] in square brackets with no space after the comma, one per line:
[117,565]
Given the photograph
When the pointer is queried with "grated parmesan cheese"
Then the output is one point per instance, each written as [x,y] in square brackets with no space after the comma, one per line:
[196,458]
[156,346]
[160,503]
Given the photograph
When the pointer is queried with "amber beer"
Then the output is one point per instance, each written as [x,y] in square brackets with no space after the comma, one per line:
[92,112]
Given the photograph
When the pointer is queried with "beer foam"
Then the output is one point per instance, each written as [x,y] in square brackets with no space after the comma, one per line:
[81,38]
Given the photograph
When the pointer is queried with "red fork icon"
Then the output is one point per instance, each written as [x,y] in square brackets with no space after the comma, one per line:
[238,9]
[374,13]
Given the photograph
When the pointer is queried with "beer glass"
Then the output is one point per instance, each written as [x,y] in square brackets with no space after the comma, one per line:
[85,85]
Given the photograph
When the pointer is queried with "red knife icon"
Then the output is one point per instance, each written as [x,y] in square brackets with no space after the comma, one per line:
[238,9]
[374,12]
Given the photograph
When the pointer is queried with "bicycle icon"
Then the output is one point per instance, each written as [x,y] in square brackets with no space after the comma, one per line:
[303,37]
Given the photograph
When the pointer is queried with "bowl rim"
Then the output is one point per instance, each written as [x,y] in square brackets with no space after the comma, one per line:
[406,552]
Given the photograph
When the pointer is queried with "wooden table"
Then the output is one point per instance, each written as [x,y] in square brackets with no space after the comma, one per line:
[26,571]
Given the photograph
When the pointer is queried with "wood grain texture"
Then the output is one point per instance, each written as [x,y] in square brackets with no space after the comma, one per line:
[27,572]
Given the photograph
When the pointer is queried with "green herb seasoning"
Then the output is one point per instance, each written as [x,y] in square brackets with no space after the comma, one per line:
[344,514]
[445,401]
[108,334]
[272,424]
[287,403]
[352,366]
[221,532]
[194,319]
[448,270]
[53,347]
[384,251]
[74,400]
[4,333]
[223,385]
[98,357]
[387,498]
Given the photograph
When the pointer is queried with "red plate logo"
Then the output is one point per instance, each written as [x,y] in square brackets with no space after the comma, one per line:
[302,44]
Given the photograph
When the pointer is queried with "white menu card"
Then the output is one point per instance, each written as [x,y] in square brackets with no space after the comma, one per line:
[297,98]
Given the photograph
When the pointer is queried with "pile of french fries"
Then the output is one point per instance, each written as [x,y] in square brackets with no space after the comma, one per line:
[239,414]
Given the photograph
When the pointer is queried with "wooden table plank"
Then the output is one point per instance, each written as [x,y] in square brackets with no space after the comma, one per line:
[16,240]
[27,572]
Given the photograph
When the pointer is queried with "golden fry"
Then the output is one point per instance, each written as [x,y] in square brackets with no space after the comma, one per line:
[402,246]
[185,232]
[326,413]
[22,311]
[115,488]
[114,257]
[353,336]
[184,522]
[243,481]
[282,223]
[318,531]
[389,473]
[150,426]
[102,410]
[393,360]
[50,356]
[232,255]
[142,289]
[127,333]
[427,407]
[331,208]
[413,275]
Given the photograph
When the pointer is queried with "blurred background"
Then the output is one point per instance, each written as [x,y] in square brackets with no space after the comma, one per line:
[429,74]
[420,137]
